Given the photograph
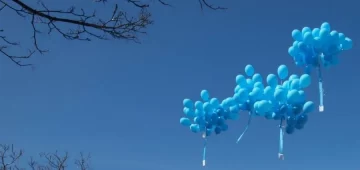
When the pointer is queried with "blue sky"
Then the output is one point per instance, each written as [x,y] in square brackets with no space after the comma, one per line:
[122,101]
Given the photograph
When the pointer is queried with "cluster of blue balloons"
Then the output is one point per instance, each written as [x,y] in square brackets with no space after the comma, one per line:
[206,116]
[318,47]
[280,98]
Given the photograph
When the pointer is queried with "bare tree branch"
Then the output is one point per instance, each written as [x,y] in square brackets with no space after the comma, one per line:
[80,25]
[9,157]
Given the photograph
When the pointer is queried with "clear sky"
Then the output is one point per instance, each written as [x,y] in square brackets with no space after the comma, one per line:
[122,101]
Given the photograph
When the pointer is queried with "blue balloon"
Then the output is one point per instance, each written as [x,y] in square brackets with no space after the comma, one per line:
[293,76]
[207,107]
[308,107]
[205,95]
[257,78]
[308,38]
[280,95]
[302,119]
[199,112]
[293,96]
[189,112]
[256,93]
[259,85]
[198,120]
[295,84]
[272,80]
[195,128]
[290,130]
[250,83]
[326,26]
[316,32]
[185,121]
[215,103]
[283,72]
[249,70]
[305,81]
[188,103]
[199,105]
[241,81]
[217,130]
[341,37]
[291,120]
[269,92]
[296,35]
[305,30]
[347,44]
[324,34]
[263,106]
[302,96]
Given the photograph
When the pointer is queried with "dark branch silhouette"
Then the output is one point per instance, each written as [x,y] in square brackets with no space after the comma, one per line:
[9,160]
[80,25]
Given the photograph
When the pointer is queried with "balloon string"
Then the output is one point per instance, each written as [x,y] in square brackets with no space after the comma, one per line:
[204,150]
[246,128]
[281,141]
[321,91]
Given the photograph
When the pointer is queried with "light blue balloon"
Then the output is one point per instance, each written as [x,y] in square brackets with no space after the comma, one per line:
[304,31]
[250,83]
[295,84]
[341,37]
[280,95]
[205,95]
[326,26]
[272,80]
[316,32]
[305,81]
[263,106]
[243,95]
[185,121]
[308,38]
[188,112]
[241,80]
[249,70]
[207,107]
[199,105]
[257,78]
[269,92]
[324,34]
[293,96]
[302,96]
[296,35]
[199,112]
[195,128]
[256,93]
[188,103]
[283,72]
[347,44]
[199,120]
[286,84]
[334,37]
[259,85]
[237,88]
[308,107]
[215,103]
[293,51]
[293,76]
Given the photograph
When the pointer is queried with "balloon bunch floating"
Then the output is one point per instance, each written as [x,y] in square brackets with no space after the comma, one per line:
[317,48]
[205,117]
[282,100]
[280,97]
